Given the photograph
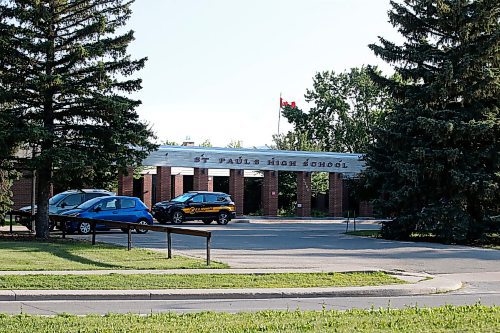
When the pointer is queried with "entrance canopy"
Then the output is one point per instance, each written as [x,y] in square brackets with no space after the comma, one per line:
[254,159]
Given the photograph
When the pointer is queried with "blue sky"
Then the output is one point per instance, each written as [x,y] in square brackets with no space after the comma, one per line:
[216,67]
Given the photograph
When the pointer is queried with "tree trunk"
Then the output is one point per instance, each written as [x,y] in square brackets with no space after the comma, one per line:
[44,171]
[42,200]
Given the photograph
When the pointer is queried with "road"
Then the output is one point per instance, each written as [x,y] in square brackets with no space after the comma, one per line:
[318,245]
[302,244]
[235,305]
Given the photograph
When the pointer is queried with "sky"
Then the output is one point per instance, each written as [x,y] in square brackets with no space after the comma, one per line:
[216,68]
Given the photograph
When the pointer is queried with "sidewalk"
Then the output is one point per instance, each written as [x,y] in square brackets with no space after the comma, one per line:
[419,284]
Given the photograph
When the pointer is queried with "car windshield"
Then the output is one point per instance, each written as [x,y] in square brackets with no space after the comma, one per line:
[183,198]
[88,204]
[56,198]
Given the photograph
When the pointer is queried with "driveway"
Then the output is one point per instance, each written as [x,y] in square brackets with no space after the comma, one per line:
[319,245]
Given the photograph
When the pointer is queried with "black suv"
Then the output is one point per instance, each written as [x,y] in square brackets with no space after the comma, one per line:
[196,205]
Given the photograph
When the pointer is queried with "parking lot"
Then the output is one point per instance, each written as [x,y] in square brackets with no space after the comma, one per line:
[320,245]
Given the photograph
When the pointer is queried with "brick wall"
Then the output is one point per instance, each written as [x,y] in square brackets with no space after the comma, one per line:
[201,180]
[270,193]
[147,190]
[163,183]
[365,209]
[236,189]
[126,183]
[177,185]
[21,190]
[336,192]
[303,193]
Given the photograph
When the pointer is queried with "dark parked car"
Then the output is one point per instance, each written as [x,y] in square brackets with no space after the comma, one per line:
[65,201]
[113,208]
[196,205]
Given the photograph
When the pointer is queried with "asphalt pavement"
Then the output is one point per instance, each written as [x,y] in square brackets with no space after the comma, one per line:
[467,274]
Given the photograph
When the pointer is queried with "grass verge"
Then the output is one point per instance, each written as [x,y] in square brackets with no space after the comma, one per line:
[194,281]
[472,318]
[364,233]
[59,254]
[492,241]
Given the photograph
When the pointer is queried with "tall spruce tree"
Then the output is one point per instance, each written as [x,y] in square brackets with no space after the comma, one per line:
[435,163]
[7,171]
[63,75]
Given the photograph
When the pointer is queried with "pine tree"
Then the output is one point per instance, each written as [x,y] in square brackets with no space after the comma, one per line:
[63,69]
[435,162]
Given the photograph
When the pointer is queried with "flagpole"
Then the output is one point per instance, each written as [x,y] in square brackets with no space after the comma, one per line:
[279,119]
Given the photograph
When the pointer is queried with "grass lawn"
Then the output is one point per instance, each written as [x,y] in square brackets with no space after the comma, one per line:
[27,255]
[364,233]
[194,281]
[492,241]
[475,318]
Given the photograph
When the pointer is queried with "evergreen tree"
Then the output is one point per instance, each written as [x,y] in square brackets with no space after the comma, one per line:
[435,162]
[63,72]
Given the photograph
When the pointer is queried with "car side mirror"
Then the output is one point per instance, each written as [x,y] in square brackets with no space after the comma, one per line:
[63,204]
[97,209]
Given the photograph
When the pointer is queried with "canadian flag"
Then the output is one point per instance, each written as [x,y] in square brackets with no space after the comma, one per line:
[285,103]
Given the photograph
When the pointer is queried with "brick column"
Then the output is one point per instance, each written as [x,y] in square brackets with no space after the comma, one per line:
[147,190]
[336,193]
[126,183]
[178,187]
[163,183]
[303,193]
[236,189]
[201,181]
[270,193]
[210,183]
[365,209]
[21,190]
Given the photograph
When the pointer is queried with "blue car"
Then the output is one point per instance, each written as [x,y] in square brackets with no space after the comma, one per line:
[111,208]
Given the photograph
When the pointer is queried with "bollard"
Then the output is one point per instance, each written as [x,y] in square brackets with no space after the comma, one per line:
[129,239]
[208,250]
[347,225]
[10,222]
[169,245]
[93,232]
[354,218]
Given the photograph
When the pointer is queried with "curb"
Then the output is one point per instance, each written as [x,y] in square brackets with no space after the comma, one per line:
[425,287]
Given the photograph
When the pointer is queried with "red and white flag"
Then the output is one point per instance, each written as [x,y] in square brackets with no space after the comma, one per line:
[285,103]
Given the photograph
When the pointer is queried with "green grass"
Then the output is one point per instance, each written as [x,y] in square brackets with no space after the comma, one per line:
[364,233]
[6,223]
[492,241]
[27,255]
[448,319]
[194,281]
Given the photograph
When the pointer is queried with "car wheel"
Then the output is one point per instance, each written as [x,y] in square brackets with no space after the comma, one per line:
[177,217]
[207,221]
[142,231]
[52,225]
[223,218]
[84,228]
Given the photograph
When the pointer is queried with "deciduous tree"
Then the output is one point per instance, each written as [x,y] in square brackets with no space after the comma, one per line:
[345,108]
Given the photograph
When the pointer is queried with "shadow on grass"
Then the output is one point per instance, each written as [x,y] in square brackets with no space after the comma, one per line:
[54,247]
